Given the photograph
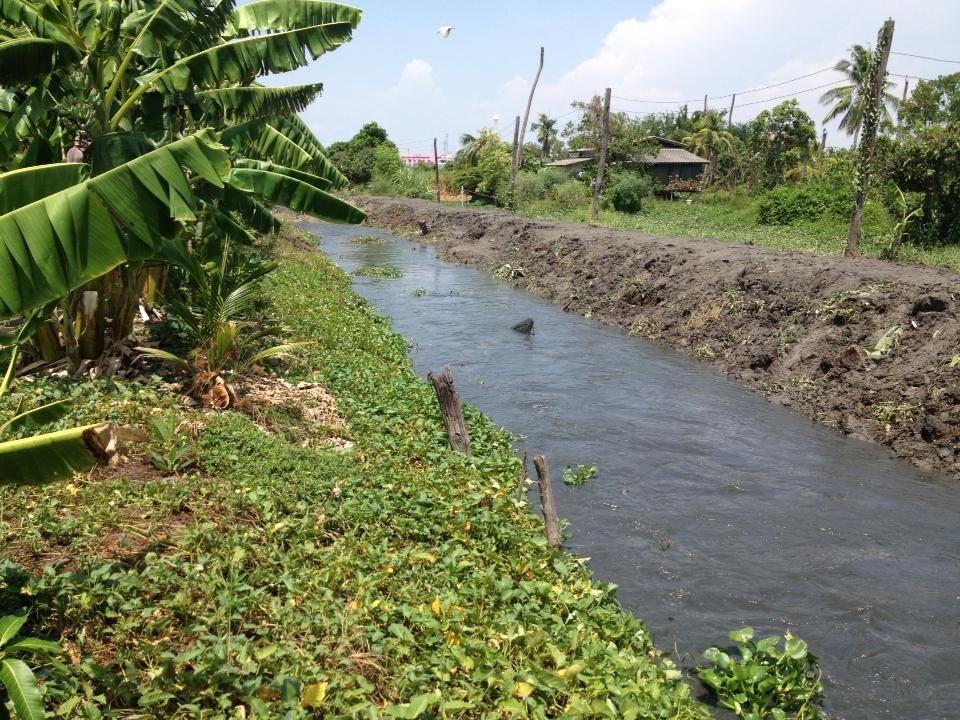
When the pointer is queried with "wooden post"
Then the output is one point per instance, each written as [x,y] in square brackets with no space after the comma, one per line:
[547,505]
[873,104]
[513,156]
[704,104]
[730,114]
[823,141]
[604,142]
[906,86]
[436,167]
[91,325]
[452,410]
[518,155]
[522,481]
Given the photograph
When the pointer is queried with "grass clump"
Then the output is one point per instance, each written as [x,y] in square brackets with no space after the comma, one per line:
[379,271]
[397,580]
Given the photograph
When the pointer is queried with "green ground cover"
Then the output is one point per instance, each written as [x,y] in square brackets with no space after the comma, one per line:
[281,580]
[734,219]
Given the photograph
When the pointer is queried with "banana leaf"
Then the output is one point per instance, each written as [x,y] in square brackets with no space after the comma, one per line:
[54,456]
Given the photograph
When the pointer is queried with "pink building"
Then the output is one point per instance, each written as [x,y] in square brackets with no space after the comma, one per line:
[414,159]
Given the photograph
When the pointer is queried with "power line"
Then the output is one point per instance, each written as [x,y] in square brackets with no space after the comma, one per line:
[925,57]
[798,92]
[739,92]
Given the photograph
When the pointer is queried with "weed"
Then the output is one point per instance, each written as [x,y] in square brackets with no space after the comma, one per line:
[833,310]
[368,240]
[887,343]
[761,681]
[419,292]
[379,271]
[734,302]
[891,413]
[786,336]
[508,272]
[580,474]
[645,328]
[172,450]
[705,351]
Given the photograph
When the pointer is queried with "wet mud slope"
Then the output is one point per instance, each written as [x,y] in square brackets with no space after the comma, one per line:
[862,346]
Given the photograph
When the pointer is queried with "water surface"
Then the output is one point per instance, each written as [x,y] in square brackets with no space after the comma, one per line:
[713,508]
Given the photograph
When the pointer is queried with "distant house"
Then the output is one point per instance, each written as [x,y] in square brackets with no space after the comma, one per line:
[414,159]
[672,161]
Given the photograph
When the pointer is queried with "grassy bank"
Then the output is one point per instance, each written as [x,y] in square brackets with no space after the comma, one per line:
[284,579]
[733,218]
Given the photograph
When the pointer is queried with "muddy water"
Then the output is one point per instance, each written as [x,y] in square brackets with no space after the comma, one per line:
[713,509]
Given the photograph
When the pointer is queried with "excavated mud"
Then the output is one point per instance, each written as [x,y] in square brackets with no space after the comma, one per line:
[862,346]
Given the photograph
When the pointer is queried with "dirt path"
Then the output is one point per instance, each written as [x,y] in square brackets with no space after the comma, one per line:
[795,327]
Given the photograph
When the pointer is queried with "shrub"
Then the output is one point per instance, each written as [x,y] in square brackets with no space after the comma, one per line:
[787,204]
[528,188]
[386,160]
[627,190]
[382,186]
[408,182]
[569,195]
[551,177]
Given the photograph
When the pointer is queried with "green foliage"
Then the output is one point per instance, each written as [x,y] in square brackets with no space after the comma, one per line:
[395,580]
[386,160]
[627,189]
[172,450]
[763,681]
[580,474]
[782,136]
[414,183]
[379,271]
[787,204]
[16,677]
[568,195]
[357,157]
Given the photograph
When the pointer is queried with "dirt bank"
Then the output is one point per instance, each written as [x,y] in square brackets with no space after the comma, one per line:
[806,331]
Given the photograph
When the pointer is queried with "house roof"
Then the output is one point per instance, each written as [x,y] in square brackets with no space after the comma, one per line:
[569,162]
[674,156]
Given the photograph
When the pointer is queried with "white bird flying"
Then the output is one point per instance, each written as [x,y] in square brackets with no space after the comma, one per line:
[445,31]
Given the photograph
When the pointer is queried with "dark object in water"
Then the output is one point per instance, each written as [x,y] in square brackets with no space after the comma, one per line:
[524,326]
[423,227]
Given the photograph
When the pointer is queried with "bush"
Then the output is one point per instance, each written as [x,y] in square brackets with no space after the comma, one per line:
[528,188]
[627,190]
[787,204]
[408,182]
[550,177]
[569,195]
[386,160]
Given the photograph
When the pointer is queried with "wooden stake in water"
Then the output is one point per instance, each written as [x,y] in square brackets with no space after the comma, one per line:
[452,410]
[547,506]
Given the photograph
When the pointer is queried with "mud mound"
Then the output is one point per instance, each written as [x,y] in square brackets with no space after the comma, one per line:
[862,346]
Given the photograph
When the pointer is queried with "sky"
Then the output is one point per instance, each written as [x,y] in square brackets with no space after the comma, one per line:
[398,72]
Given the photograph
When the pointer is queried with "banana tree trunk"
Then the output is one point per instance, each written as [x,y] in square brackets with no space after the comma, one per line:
[91,340]
[47,342]
[124,301]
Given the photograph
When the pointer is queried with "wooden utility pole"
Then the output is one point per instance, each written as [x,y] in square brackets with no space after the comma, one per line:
[873,104]
[730,114]
[823,141]
[547,506]
[452,410]
[704,104]
[513,156]
[436,167]
[602,162]
[518,153]
[906,86]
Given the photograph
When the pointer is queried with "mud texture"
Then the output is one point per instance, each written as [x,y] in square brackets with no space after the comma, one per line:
[797,328]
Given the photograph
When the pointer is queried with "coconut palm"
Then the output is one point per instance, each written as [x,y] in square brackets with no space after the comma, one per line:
[710,139]
[847,100]
[471,146]
[546,129]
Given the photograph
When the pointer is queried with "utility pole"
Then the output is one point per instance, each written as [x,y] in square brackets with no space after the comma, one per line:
[873,104]
[518,151]
[704,104]
[513,156]
[906,86]
[602,163]
[436,167]
[730,114]
[823,141]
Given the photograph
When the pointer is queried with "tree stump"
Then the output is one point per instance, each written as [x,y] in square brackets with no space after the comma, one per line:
[451,410]
[547,506]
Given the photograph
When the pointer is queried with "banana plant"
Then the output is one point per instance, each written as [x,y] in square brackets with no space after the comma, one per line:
[18,679]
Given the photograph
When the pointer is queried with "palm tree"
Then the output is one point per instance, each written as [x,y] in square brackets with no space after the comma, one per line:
[710,139]
[472,145]
[847,100]
[546,129]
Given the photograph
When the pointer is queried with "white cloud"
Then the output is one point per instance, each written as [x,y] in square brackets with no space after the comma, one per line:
[686,48]
[416,78]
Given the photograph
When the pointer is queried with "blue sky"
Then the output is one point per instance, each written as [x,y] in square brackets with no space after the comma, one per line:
[398,72]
